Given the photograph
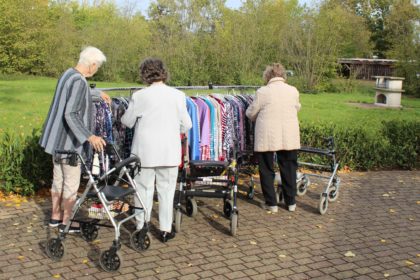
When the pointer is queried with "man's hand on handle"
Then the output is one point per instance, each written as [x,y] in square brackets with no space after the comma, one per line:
[97,143]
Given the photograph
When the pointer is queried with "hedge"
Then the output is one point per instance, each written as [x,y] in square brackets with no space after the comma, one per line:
[24,167]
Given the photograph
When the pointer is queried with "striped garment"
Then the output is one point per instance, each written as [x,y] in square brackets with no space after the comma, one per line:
[69,121]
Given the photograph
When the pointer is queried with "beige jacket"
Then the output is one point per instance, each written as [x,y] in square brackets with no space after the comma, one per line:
[275,109]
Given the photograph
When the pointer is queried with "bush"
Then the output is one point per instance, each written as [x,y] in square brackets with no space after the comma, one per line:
[396,145]
[24,166]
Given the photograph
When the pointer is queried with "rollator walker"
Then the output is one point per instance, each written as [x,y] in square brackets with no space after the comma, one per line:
[115,187]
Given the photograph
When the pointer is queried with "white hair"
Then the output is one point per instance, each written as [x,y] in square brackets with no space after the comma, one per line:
[91,55]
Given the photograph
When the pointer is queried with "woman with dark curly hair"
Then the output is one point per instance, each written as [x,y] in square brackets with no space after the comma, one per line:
[160,115]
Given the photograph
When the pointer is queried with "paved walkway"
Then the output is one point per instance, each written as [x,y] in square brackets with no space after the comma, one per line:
[371,232]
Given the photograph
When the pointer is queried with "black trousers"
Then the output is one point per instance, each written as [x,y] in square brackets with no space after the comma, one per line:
[287,161]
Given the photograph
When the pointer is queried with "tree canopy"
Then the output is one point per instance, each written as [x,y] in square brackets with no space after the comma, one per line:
[204,41]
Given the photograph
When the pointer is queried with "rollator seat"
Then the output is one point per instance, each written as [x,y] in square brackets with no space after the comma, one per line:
[204,168]
[112,192]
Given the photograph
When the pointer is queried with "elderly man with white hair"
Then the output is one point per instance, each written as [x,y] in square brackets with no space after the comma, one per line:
[68,127]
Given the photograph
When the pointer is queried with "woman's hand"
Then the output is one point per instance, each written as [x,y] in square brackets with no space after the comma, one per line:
[106,98]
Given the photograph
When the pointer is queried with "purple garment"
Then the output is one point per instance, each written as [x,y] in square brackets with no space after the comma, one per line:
[204,114]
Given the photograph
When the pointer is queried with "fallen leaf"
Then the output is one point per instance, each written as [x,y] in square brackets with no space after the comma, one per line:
[386,274]
[17,205]
[189,264]
[418,201]
[16,224]
[319,226]
[391,210]
[213,239]
[411,219]
[383,240]
[85,261]
[282,256]
[21,258]
[418,255]
[56,276]
[252,242]
[385,195]
[214,216]
[97,241]
[349,254]
[409,263]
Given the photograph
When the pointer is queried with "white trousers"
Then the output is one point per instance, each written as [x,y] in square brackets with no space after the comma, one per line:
[165,178]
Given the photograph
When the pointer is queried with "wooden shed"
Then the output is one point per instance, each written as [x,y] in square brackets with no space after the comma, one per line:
[366,68]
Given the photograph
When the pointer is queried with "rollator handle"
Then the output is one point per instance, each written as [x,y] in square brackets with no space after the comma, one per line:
[65,152]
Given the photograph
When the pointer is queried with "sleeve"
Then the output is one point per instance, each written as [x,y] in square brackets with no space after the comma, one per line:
[298,105]
[254,108]
[73,111]
[129,118]
[186,122]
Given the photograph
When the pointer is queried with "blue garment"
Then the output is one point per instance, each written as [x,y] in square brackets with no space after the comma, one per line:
[212,128]
[194,132]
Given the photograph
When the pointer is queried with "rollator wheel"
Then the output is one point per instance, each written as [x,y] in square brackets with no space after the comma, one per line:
[234,224]
[251,190]
[333,193]
[191,207]
[227,208]
[110,261]
[302,185]
[55,249]
[140,240]
[178,220]
[323,204]
[88,231]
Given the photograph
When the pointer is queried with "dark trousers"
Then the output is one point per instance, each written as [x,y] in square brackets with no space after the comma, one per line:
[287,161]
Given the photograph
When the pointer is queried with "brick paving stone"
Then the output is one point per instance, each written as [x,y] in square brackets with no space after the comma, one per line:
[313,245]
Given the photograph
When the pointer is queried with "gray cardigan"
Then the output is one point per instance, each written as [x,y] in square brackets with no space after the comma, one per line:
[69,122]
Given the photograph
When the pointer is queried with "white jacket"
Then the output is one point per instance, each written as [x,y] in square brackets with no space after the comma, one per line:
[161,115]
[275,109]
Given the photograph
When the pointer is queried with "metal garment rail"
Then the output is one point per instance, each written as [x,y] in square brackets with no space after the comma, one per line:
[210,86]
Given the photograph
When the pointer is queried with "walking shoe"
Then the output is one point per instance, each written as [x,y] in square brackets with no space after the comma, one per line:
[292,208]
[166,236]
[272,209]
[72,229]
[55,223]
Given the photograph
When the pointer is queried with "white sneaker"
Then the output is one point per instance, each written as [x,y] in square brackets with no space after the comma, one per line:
[272,209]
[292,208]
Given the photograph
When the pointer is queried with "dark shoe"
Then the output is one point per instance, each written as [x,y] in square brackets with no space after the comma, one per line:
[55,223]
[72,229]
[166,236]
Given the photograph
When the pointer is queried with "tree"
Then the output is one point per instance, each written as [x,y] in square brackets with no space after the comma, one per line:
[22,33]
[403,25]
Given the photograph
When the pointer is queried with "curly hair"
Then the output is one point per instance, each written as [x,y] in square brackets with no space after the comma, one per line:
[274,70]
[153,70]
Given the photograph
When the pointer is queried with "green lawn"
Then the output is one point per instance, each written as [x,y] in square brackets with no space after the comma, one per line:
[24,104]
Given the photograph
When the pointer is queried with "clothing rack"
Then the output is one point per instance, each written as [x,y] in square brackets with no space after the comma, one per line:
[209,86]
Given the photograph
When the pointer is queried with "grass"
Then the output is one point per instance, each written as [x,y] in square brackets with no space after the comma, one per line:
[24,104]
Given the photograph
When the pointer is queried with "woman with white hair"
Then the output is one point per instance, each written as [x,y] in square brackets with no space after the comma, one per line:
[68,127]
[275,109]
